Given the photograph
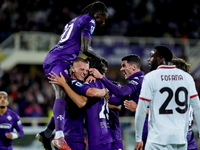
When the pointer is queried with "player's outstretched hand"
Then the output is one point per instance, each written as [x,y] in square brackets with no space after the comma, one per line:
[55,79]
[130,105]
[139,145]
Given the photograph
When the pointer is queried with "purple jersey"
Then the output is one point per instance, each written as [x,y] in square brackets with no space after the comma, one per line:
[115,123]
[68,48]
[73,128]
[9,121]
[97,118]
[129,91]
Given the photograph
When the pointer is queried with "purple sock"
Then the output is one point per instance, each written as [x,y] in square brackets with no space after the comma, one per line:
[59,114]
[51,124]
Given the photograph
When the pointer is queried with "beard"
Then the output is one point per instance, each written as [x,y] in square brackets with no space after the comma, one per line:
[154,66]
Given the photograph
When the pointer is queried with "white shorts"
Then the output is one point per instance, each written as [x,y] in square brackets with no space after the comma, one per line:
[155,146]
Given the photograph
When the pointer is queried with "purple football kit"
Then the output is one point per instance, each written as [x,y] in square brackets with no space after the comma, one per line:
[97,118]
[73,128]
[114,121]
[131,91]
[9,121]
[60,57]
[68,48]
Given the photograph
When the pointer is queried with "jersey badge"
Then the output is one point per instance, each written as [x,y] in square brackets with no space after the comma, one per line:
[9,118]
[66,71]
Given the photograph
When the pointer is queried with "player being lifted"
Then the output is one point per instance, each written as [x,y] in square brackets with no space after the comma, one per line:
[76,38]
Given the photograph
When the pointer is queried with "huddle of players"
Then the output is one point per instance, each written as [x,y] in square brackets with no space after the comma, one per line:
[102,122]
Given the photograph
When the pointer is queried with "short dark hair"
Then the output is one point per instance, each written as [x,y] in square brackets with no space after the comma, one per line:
[97,63]
[133,59]
[181,64]
[164,52]
[95,7]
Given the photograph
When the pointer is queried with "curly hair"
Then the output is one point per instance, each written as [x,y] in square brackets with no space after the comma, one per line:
[95,7]
[181,64]
[97,63]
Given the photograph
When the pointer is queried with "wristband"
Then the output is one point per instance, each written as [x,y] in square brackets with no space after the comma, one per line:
[14,135]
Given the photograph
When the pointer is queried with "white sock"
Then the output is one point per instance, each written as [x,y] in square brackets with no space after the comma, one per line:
[48,132]
[59,134]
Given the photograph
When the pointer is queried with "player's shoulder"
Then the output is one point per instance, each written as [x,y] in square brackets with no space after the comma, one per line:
[12,113]
[86,18]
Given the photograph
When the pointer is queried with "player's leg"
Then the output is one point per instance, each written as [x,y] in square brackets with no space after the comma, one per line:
[45,137]
[57,121]
[59,109]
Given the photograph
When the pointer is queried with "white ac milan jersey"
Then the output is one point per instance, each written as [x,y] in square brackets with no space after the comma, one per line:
[168,92]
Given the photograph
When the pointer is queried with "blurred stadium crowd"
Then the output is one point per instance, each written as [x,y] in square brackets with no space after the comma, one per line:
[141,18]
[30,93]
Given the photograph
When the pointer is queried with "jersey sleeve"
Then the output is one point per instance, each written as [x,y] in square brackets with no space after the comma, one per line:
[140,117]
[118,91]
[146,90]
[79,87]
[88,26]
[18,126]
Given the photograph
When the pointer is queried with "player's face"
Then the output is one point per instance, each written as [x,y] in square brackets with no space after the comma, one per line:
[127,69]
[153,60]
[100,19]
[80,70]
[3,100]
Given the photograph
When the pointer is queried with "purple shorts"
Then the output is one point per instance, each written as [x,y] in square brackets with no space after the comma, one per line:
[57,67]
[117,145]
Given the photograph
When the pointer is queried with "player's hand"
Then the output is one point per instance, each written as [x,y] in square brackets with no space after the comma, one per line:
[55,79]
[9,135]
[139,145]
[130,105]
[90,79]
[115,107]
[95,73]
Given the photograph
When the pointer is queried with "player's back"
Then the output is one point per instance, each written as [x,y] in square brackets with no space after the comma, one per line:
[97,119]
[68,47]
[169,108]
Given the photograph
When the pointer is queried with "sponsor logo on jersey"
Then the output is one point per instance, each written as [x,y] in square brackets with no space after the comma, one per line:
[79,84]
[5,126]
[136,78]
[60,117]
[9,118]
[92,29]
[133,82]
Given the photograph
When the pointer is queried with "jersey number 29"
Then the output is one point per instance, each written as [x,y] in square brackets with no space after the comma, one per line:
[182,103]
